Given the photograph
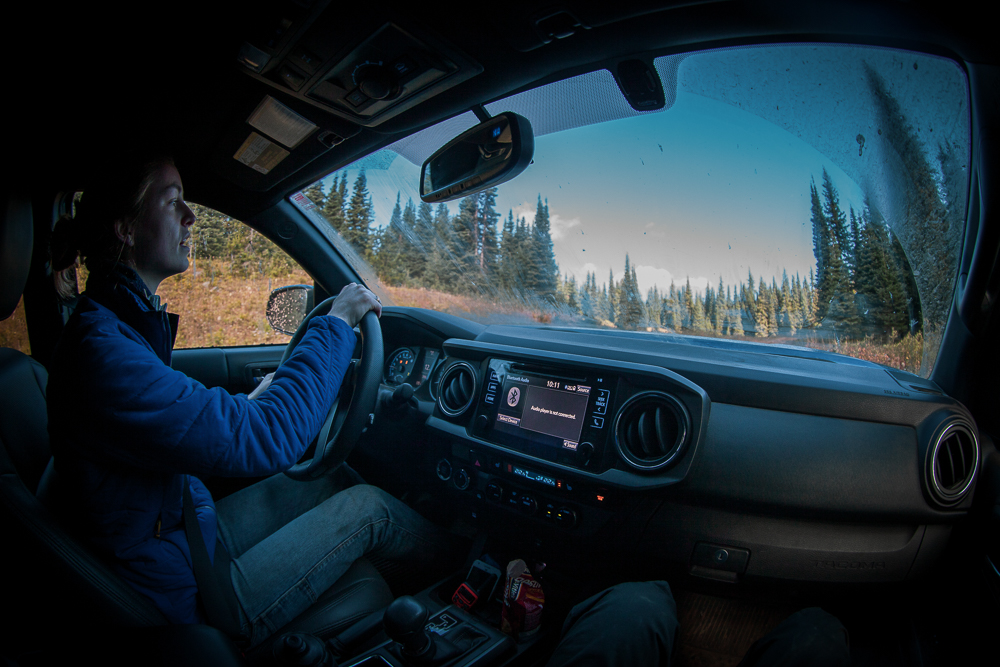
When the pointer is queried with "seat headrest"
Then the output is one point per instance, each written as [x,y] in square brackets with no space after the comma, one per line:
[16,237]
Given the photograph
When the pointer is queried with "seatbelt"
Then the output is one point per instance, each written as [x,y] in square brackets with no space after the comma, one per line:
[220,608]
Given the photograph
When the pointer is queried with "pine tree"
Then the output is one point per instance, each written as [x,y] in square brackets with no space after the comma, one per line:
[507,267]
[391,249]
[358,217]
[315,194]
[676,309]
[413,260]
[586,296]
[926,216]
[440,269]
[462,247]
[653,306]
[544,271]
[333,206]
[762,311]
[882,297]
[631,314]
[612,297]
[821,250]
[489,249]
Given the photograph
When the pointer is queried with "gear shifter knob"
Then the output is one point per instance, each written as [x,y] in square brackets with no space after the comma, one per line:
[404,622]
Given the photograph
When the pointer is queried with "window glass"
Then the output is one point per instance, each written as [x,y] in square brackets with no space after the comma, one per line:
[805,195]
[14,331]
[222,295]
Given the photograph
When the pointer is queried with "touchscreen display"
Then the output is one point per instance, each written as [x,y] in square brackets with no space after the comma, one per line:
[547,406]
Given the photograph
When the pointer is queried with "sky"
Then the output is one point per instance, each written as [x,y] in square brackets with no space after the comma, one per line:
[715,185]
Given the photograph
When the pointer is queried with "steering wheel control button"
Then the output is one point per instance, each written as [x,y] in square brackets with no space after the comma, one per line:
[444,470]
[720,557]
[596,422]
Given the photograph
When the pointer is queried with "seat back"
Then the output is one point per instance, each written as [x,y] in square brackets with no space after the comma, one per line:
[56,584]
[51,579]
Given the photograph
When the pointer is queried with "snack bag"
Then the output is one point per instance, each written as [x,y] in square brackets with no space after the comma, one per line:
[523,600]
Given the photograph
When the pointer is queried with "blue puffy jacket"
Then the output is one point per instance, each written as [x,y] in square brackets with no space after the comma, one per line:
[127,431]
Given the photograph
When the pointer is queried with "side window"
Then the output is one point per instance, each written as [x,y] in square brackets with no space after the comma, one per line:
[222,295]
[14,330]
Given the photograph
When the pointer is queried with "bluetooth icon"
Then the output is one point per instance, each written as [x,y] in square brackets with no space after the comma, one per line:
[513,396]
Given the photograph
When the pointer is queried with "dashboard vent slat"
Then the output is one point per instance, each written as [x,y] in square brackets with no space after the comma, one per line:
[651,431]
[954,461]
[457,389]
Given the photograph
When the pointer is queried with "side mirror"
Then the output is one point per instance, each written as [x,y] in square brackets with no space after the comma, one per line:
[288,306]
[488,154]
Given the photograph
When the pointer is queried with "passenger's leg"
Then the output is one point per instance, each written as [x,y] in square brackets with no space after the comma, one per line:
[628,624]
[282,575]
[808,638]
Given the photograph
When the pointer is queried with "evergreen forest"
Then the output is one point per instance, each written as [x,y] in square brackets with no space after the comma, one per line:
[862,284]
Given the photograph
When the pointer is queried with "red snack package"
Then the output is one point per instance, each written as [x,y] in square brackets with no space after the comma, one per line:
[523,600]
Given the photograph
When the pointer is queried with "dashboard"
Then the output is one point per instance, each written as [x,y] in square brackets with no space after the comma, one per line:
[730,459]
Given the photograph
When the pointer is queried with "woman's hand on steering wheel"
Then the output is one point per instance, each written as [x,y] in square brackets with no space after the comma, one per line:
[353,302]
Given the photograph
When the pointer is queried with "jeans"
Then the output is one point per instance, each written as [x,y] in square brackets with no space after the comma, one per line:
[290,541]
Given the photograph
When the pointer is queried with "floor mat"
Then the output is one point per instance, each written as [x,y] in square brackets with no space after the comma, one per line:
[717,632]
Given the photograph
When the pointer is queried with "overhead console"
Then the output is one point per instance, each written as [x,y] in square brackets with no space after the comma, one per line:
[365,78]
[623,424]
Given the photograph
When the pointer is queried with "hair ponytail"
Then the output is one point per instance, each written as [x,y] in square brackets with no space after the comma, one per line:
[64,247]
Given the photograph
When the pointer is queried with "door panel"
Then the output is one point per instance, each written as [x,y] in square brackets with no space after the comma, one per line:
[236,369]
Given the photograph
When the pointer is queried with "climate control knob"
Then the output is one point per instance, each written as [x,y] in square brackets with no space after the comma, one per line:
[566,517]
[443,470]
[462,479]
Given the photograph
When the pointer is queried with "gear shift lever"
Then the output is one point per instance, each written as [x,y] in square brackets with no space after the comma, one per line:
[404,622]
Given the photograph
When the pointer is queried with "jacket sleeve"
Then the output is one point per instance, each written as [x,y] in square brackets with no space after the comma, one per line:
[133,409]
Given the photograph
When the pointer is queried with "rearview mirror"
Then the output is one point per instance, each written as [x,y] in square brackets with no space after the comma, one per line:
[288,306]
[488,154]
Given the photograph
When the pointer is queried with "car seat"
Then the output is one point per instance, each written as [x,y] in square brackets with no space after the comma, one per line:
[59,595]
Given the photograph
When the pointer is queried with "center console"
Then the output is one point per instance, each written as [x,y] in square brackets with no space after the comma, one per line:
[427,631]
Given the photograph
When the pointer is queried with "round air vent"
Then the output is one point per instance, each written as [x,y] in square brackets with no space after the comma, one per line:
[457,389]
[651,431]
[953,462]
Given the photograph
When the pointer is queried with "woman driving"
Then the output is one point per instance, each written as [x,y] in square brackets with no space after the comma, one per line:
[129,433]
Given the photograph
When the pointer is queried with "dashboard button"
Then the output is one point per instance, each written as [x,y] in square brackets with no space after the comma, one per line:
[444,470]
[597,422]
[529,505]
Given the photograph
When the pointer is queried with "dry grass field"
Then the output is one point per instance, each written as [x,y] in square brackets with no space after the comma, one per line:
[219,309]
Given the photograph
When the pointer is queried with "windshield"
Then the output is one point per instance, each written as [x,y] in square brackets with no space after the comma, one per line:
[808,195]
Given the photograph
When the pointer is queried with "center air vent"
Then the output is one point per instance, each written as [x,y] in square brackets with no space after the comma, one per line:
[652,431]
[457,389]
[953,463]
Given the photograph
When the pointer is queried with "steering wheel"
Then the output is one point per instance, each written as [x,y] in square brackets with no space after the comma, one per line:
[343,425]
